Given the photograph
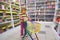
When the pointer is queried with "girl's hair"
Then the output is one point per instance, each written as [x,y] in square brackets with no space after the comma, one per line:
[23,9]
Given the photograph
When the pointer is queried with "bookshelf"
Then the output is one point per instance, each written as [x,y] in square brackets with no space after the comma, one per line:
[6,14]
[44,9]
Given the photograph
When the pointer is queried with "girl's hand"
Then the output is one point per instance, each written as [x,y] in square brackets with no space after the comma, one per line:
[29,19]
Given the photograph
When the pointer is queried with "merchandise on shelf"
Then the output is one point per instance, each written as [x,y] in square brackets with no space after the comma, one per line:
[43,8]
[9,26]
[32,19]
[1,20]
[1,14]
[1,17]
[41,19]
[31,1]
[58,19]
[16,23]
[58,13]
[3,28]
[58,5]
[5,14]
[1,6]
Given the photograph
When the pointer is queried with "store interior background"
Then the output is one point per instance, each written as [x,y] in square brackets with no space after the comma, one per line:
[46,12]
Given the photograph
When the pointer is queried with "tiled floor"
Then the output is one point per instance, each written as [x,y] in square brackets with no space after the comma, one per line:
[14,34]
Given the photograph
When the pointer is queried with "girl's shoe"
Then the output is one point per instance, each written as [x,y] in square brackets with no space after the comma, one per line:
[26,35]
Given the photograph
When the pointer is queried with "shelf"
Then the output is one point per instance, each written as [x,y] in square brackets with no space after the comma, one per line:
[5,22]
[3,3]
[10,25]
[51,8]
[3,28]
[1,16]
[7,16]
[15,15]
[30,3]
[12,12]
[49,13]
[17,20]
[48,20]
[31,8]
[17,3]
[52,0]
[3,9]
[41,19]
[46,7]
[57,15]
[33,20]
[58,8]
[59,2]
[40,1]
[17,23]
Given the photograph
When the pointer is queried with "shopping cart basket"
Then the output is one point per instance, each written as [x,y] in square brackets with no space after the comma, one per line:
[33,28]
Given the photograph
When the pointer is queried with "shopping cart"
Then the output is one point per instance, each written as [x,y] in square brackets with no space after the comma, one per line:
[33,28]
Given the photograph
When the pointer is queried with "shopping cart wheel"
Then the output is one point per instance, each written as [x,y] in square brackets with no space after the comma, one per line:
[36,36]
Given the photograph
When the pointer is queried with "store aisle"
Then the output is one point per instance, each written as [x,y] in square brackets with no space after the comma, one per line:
[13,34]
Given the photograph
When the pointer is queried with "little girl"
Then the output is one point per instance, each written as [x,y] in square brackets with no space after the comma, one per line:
[24,19]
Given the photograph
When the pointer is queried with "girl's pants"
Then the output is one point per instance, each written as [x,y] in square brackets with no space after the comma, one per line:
[28,34]
[23,28]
